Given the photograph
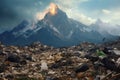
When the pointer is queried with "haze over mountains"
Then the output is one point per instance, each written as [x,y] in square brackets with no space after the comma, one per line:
[56,29]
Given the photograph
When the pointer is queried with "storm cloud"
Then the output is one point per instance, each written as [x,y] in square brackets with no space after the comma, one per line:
[13,12]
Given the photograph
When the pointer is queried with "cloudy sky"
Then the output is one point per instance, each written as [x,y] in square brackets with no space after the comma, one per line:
[12,12]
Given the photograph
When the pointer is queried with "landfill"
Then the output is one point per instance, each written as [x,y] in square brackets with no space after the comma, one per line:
[86,61]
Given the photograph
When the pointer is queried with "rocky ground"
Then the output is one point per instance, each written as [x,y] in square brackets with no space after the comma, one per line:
[86,61]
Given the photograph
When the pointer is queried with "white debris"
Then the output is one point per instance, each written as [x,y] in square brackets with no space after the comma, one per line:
[51,72]
[118,62]
[18,51]
[44,65]
[117,52]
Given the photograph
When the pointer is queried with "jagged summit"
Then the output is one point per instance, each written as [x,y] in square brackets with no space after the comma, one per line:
[55,12]
[53,9]
[59,17]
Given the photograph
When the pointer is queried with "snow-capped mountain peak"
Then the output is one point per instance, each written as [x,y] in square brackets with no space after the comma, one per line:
[55,29]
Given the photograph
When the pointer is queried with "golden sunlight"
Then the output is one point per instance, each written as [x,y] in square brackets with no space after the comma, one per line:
[53,9]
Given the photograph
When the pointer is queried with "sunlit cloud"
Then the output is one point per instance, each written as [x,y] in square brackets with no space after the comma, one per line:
[105,11]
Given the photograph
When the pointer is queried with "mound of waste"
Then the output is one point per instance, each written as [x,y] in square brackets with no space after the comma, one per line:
[86,61]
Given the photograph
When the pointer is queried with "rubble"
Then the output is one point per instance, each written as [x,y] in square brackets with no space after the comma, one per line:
[86,61]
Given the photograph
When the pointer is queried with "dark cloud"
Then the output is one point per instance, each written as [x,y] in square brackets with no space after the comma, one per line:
[12,12]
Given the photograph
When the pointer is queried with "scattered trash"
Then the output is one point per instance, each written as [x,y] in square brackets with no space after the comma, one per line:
[13,58]
[118,62]
[82,68]
[109,64]
[2,68]
[117,52]
[86,61]
[100,54]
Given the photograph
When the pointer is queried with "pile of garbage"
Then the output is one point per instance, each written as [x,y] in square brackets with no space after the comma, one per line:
[86,61]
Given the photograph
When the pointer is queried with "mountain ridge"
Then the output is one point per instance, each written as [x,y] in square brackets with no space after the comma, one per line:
[54,29]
